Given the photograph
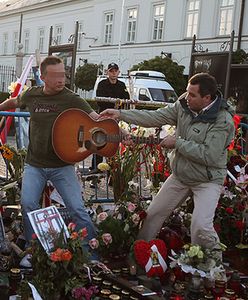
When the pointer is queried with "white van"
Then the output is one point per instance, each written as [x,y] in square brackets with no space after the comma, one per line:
[145,86]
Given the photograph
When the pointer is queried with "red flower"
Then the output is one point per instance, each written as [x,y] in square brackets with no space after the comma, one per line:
[142,215]
[236,120]
[217,227]
[34,236]
[240,225]
[229,210]
[240,207]
[74,235]
[66,255]
[83,232]
[56,255]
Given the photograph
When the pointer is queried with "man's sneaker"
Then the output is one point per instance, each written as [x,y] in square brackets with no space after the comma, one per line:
[26,261]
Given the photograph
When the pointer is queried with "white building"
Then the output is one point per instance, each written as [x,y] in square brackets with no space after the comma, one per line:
[123,31]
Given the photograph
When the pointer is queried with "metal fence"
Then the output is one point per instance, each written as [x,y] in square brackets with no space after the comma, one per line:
[7,75]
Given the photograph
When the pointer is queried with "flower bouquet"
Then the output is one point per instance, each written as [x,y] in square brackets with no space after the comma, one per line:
[195,259]
[62,273]
[230,223]
[14,160]
[117,229]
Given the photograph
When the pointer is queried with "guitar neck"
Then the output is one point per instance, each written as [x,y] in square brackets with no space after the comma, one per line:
[136,139]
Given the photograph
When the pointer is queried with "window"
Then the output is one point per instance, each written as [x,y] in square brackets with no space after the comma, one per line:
[80,35]
[26,36]
[226,17]
[5,42]
[158,22]
[15,41]
[131,24]
[108,27]
[192,17]
[41,39]
[58,34]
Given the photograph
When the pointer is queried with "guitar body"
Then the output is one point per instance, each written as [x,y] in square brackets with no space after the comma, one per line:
[75,135]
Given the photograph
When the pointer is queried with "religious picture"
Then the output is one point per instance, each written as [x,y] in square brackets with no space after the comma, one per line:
[47,222]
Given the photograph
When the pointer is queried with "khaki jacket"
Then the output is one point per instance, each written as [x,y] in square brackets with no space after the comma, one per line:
[200,154]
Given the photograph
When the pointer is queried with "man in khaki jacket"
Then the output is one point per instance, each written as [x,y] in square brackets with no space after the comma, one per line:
[204,129]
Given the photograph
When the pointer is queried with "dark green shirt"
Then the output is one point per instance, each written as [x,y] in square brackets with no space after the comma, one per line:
[44,109]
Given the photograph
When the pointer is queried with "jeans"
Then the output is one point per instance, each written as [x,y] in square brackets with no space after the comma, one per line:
[65,181]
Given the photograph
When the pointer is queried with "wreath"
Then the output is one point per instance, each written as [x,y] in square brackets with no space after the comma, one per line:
[151,256]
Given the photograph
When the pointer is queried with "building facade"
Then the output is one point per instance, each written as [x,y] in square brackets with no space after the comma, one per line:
[123,31]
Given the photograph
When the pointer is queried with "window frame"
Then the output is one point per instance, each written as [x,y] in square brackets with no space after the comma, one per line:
[108,28]
[195,12]
[5,43]
[158,36]
[26,40]
[132,32]
[57,34]
[15,41]
[41,38]
[225,9]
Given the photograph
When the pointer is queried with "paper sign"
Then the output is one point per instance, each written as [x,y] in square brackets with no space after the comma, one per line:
[47,222]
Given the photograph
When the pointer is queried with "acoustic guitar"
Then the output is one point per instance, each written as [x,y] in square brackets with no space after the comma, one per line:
[75,136]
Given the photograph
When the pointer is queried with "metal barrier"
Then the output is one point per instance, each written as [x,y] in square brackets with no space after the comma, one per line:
[7,75]
[100,192]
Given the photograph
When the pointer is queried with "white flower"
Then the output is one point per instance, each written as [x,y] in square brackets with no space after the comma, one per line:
[101,217]
[133,184]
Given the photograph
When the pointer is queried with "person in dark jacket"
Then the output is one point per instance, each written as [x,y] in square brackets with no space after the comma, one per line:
[113,88]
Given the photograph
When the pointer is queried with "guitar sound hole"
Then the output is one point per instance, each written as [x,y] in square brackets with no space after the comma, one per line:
[99,138]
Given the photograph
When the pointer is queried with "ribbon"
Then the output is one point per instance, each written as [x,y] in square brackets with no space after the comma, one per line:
[155,260]
[19,86]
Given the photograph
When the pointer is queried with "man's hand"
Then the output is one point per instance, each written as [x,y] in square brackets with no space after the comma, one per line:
[110,113]
[169,142]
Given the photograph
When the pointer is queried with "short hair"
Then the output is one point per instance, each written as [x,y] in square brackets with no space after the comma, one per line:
[49,60]
[207,84]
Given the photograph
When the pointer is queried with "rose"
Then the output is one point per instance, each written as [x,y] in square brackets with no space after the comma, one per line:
[71,227]
[102,216]
[107,238]
[240,225]
[66,255]
[56,255]
[74,235]
[94,243]
[142,215]
[131,207]
[83,232]
[229,210]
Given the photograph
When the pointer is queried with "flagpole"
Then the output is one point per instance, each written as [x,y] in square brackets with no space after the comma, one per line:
[120,34]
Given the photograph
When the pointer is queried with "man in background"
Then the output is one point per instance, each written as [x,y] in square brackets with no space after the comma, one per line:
[113,88]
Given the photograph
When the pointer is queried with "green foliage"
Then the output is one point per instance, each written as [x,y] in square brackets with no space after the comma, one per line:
[85,76]
[3,96]
[57,273]
[239,56]
[14,159]
[172,71]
